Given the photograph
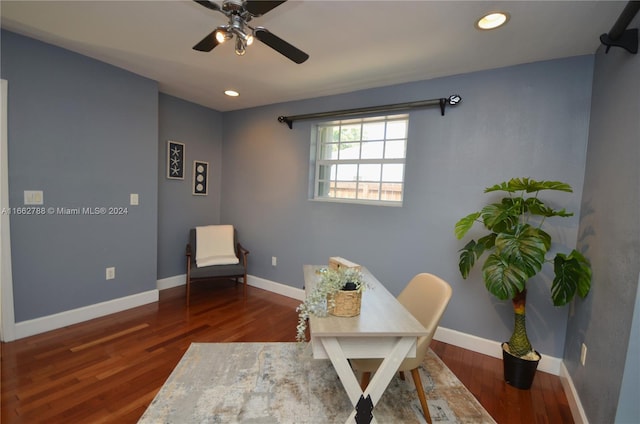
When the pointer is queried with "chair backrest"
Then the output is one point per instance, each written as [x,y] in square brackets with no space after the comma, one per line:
[426,297]
[193,241]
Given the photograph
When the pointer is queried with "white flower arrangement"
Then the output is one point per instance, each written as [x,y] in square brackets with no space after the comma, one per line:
[331,282]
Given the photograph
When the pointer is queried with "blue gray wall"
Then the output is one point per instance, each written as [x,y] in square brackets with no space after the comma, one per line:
[610,235]
[200,129]
[86,134]
[530,120]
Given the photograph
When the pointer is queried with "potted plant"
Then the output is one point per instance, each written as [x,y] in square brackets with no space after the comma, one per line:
[516,249]
[322,299]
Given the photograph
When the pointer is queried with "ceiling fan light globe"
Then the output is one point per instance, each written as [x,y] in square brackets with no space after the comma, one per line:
[249,39]
[240,46]
[221,36]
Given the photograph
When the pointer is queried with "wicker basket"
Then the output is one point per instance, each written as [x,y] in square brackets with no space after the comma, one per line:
[347,303]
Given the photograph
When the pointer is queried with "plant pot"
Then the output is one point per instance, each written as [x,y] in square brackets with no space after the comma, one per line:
[346,303]
[518,372]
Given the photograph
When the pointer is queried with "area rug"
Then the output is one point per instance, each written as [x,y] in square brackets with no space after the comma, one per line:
[281,383]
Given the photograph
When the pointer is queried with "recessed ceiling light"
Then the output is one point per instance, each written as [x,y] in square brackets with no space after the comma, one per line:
[231,93]
[492,20]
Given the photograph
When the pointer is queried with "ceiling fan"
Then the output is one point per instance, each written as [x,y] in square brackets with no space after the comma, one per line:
[239,13]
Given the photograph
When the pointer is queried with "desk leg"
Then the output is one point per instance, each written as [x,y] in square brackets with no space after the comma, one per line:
[380,380]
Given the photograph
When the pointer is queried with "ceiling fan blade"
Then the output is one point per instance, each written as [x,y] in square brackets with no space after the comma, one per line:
[281,46]
[207,43]
[259,7]
[209,4]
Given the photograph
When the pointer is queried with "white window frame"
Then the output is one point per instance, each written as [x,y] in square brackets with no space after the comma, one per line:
[325,187]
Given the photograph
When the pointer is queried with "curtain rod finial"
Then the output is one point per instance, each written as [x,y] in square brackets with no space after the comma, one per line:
[286,120]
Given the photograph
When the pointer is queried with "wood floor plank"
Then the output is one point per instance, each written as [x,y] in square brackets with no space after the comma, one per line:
[109,337]
[109,369]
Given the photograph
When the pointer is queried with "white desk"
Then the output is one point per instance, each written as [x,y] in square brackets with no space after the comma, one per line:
[384,329]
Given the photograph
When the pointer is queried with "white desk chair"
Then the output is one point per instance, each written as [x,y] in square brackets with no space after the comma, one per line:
[426,298]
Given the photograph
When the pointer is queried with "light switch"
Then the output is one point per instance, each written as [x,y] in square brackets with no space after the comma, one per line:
[134,199]
[33,197]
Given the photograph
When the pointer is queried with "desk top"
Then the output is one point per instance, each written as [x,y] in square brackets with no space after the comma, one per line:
[381,315]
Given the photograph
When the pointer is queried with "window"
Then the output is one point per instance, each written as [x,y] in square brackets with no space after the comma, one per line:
[361,160]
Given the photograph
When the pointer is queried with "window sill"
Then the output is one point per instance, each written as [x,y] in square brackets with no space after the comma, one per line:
[357,202]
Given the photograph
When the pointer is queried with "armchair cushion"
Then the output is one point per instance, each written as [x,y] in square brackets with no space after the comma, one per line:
[215,246]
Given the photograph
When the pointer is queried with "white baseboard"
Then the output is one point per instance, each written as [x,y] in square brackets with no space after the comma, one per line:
[74,316]
[577,411]
[274,287]
[175,281]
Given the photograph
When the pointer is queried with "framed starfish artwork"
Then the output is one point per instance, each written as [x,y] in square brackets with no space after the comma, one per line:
[175,160]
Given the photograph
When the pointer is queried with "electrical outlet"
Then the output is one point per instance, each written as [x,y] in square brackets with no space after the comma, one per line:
[274,261]
[583,354]
[110,273]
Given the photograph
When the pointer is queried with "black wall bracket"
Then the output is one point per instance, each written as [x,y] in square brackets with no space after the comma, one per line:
[628,41]
[620,36]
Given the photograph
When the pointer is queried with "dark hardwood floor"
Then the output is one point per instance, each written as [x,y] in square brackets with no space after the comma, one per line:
[108,370]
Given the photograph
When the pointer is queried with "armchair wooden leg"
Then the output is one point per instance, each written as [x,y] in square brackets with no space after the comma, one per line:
[423,399]
[402,375]
[364,382]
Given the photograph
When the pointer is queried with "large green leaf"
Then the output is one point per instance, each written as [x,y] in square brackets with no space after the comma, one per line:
[499,217]
[503,278]
[526,248]
[528,185]
[485,243]
[467,258]
[537,207]
[465,224]
[473,250]
[572,275]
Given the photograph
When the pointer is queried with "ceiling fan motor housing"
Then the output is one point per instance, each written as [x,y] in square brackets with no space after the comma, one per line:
[232,5]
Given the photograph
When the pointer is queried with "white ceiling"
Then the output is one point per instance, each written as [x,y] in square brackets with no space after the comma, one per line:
[353,44]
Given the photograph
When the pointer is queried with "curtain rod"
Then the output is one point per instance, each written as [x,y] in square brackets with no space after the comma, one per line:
[442,102]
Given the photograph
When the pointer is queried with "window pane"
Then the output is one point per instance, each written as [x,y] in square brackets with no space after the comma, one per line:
[345,190]
[324,189]
[325,134]
[369,191]
[335,134]
[395,149]
[397,129]
[391,192]
[326,172]
[328,151]
[373,131]
[350,133]
[392,172]
[349,151]
[372,150]
[347,172]
[369,172]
